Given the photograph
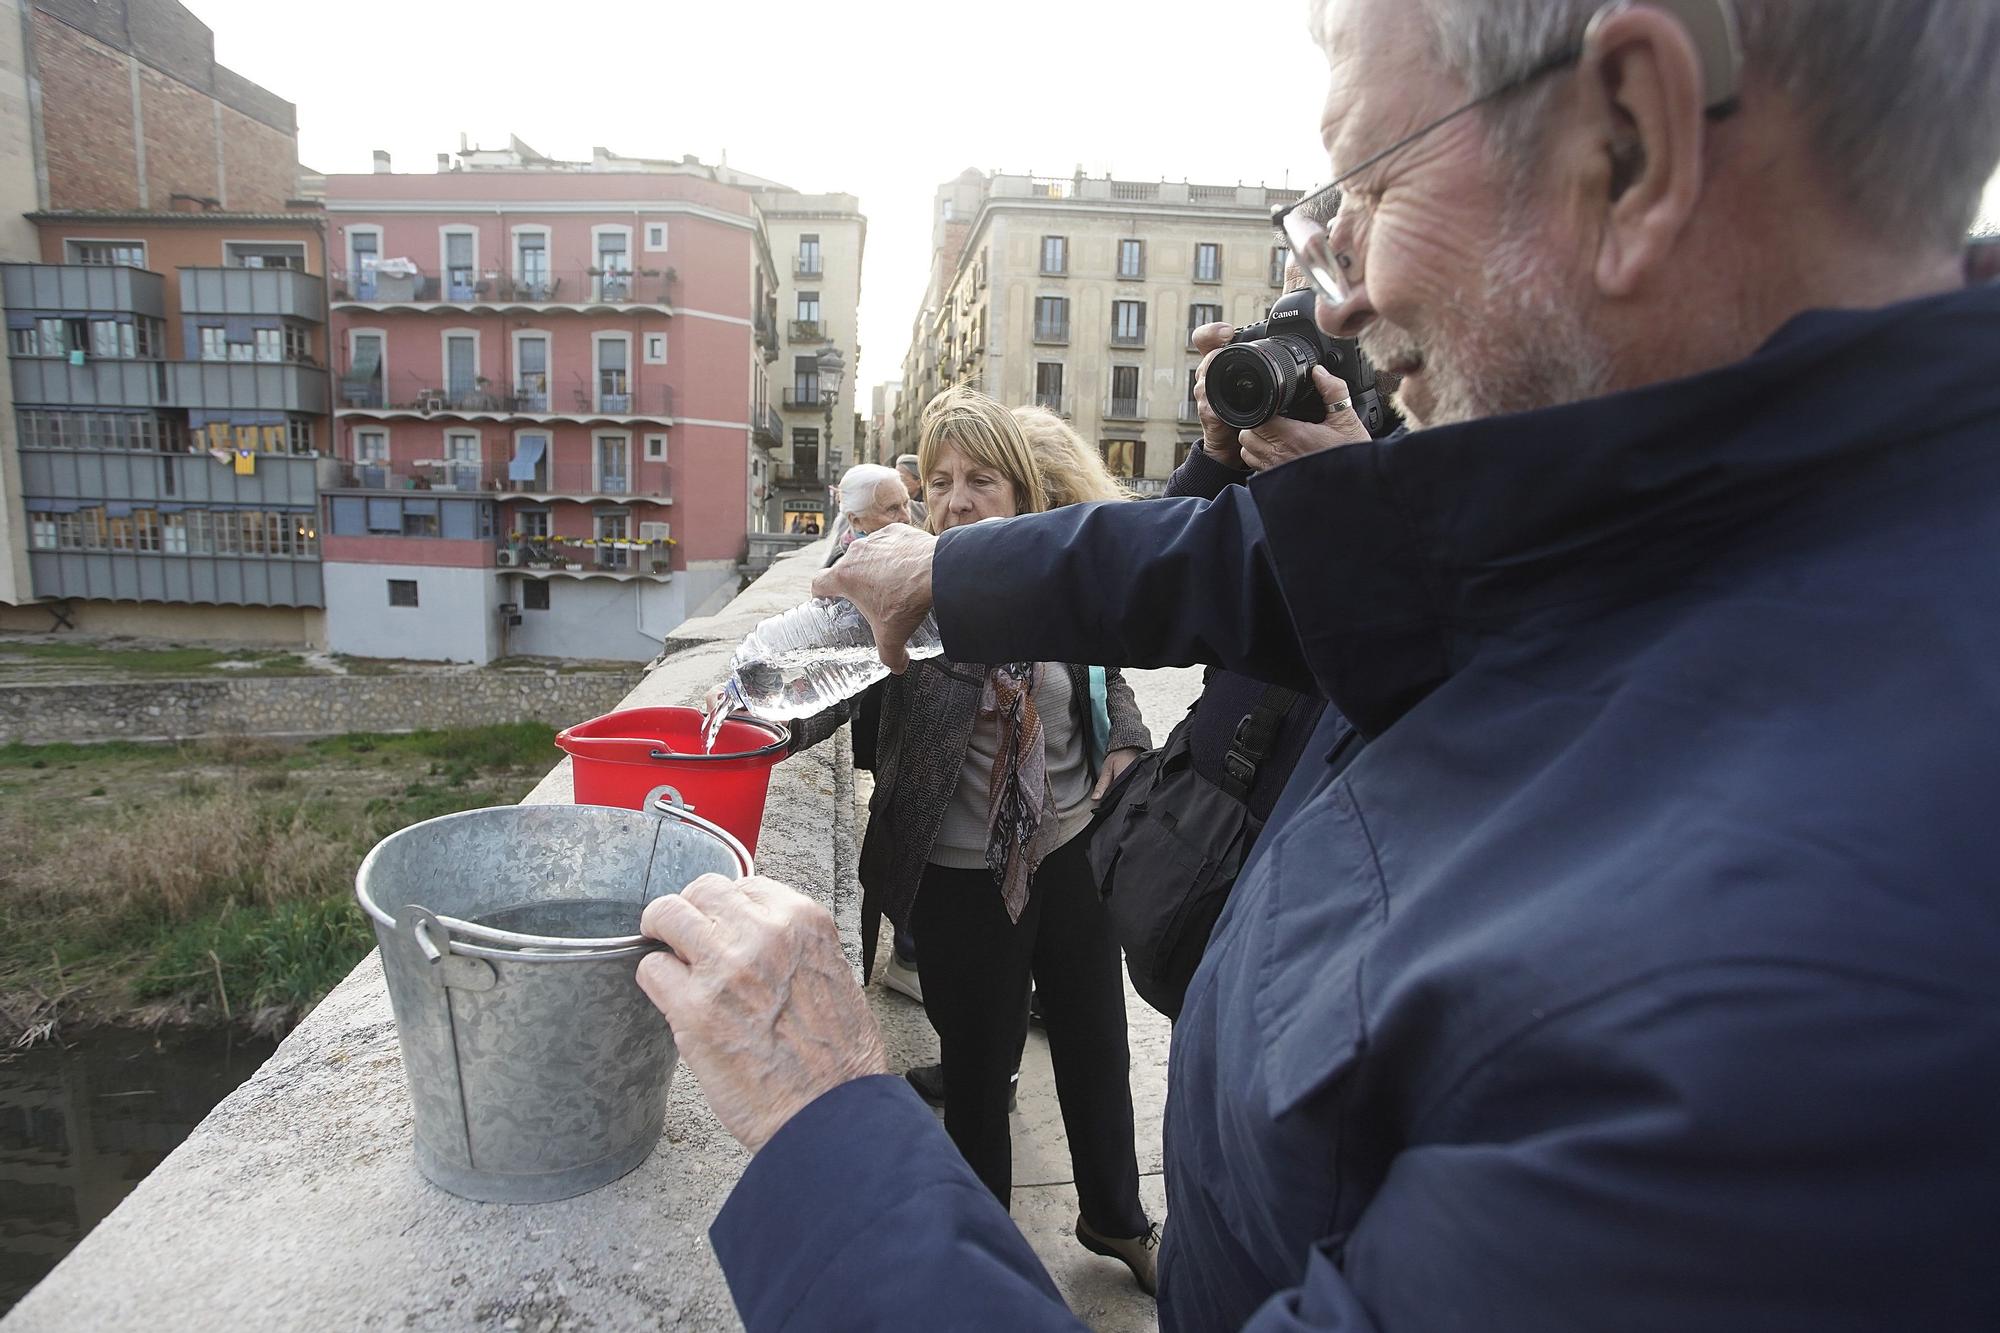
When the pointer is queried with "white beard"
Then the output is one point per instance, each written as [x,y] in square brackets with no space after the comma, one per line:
[1517,344]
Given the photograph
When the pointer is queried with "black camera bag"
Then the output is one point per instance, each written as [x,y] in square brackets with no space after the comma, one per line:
[1166,846]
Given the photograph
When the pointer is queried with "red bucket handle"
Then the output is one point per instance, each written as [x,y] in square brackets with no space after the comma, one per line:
[639,749]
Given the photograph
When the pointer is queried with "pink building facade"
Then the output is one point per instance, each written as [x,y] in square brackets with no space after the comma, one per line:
[550,409]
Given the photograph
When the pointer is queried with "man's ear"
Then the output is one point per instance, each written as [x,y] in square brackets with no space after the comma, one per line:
[1641,81]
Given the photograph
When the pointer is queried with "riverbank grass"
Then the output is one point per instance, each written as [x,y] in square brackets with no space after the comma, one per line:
[214,880]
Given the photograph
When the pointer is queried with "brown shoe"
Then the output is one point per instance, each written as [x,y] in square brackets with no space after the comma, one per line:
[1135,1252]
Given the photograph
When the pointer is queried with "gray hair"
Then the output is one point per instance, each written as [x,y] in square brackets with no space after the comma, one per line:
[911,464]
[1902,97]
[860,483]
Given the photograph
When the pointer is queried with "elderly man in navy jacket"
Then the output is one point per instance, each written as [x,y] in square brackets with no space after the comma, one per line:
[1644,971]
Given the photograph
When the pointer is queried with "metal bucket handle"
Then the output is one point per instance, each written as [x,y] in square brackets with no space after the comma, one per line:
[438,936]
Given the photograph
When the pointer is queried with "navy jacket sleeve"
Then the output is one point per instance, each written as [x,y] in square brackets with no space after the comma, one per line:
[861,1214]
[1149,583]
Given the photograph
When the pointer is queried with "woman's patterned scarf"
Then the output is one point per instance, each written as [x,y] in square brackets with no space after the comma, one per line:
[1018,832]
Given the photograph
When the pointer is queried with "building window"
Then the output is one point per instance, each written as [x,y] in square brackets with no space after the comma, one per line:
[420,522]
[805,453]
[364,252]
[614,388]
[42,532]
[1131,259]
[366,383]
[614,265]
[299,435]
[104,338]
[808,265]
[656,448]
[614,464]
[1051,319]
[656,235]
[531,372]
[270,344]
[1207,262]
[613,528]
[402,592]
[257,254]
[23,342]
[809,307]
[1124,392]
[371,446]
[298,345]
[1049,385]
[213,348]
[1125,458]
[130,253]
[535,595]
[805,381]
[1189,412]
[1055,255]
[1128,323]
[1281,259]
[656,349]
[461,368]
[532,524]
[460,276]
[1200,313]
[531,265]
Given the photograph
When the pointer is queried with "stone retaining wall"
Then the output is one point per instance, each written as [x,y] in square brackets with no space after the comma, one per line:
[303,705]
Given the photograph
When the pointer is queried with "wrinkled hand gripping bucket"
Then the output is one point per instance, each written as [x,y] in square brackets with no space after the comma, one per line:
[637,756]
[537,1066]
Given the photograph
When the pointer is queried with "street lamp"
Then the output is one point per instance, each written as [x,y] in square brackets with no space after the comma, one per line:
[832,370]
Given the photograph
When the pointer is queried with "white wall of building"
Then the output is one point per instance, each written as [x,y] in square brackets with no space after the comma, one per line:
[597,619]
[456,618]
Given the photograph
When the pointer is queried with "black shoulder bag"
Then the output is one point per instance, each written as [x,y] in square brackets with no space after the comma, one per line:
[1167,845]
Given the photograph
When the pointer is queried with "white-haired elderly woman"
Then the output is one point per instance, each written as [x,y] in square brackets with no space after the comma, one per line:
[871,497]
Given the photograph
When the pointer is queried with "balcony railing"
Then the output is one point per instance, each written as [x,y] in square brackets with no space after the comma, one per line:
[535,286]
[808,331]
[765,324]
[536,396]
[770,428]
[1128,338]
[808,266]
[616,555]
[804,399]
[570,474]
[1188,412]
[1054,402]
[1052,333]
[1123,409]
[804,474]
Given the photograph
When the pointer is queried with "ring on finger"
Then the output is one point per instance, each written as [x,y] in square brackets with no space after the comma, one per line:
[1343,405]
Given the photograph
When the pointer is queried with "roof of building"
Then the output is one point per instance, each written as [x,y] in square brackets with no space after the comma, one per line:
[305,217]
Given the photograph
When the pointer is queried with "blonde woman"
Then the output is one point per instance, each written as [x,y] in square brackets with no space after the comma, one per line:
[985,776]
[1072,471]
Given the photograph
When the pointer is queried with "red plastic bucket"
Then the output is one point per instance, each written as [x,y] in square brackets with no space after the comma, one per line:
[637,756]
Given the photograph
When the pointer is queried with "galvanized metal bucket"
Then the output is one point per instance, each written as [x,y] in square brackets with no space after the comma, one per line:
[538,1068]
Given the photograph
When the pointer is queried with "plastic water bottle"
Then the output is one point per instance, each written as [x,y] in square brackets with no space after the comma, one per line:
[806,660]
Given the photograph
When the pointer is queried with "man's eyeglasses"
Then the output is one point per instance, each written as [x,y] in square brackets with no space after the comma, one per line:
[1712,25]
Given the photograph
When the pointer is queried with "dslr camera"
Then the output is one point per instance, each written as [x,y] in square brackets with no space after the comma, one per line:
[1266,371]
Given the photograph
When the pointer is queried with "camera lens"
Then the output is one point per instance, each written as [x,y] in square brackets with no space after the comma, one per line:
[1243,387]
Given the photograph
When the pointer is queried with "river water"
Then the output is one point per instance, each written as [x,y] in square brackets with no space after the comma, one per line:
[81,1126]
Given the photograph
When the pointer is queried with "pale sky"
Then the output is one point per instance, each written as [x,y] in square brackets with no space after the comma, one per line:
[884,100]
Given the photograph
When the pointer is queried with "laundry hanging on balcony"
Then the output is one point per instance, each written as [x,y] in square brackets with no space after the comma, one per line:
[526,458]
[246,462]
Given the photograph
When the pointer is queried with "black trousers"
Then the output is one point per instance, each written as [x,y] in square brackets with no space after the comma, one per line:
[975,965]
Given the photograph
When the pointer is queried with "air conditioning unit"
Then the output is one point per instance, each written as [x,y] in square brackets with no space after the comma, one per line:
[505,559]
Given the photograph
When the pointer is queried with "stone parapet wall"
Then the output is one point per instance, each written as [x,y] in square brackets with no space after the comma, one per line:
[298,706]
[297,1205]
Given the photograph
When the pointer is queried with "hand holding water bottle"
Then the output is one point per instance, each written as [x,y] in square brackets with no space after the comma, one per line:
[888,578]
